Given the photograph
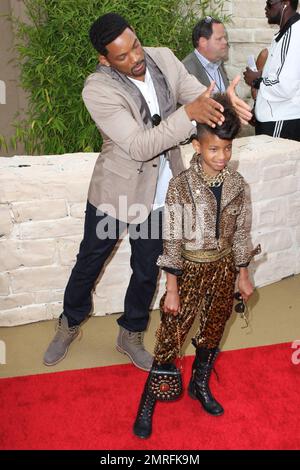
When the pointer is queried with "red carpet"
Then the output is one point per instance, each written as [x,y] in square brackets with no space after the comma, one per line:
[95,408]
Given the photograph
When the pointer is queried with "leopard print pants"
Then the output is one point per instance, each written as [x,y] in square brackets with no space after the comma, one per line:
[205,289]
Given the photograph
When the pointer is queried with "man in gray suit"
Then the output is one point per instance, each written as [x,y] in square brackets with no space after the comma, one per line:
[132,98]
[206,62]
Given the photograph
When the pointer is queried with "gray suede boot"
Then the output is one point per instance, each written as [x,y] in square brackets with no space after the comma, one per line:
[131,344]
[58,347]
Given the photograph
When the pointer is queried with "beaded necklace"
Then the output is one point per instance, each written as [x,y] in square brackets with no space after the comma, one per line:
[213,181]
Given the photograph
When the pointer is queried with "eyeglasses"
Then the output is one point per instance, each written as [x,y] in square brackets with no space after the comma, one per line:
[156,119]
[241,308]
[270,3]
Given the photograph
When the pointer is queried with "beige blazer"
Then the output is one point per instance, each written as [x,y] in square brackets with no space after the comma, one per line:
[126,171]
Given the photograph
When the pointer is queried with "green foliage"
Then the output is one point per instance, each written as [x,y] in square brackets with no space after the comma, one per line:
[216,9]
[56,56]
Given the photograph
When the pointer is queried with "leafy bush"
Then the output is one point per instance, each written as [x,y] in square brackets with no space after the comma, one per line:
[56,56]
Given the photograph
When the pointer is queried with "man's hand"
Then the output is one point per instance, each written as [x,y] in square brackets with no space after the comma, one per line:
[206,110]
[243,109]
[250,75]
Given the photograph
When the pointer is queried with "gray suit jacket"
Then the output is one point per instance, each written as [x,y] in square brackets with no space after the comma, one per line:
[126,171]
[194,67]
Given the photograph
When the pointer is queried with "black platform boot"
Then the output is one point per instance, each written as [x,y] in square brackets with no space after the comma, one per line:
[143,423]
[198,387]
[164,383]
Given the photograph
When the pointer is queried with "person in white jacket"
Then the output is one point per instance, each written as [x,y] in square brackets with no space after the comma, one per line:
[277,107]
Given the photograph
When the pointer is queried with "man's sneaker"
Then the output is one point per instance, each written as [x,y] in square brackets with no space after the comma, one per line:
[58,347]
[131,343]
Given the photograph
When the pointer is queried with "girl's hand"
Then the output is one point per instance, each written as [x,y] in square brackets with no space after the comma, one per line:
[172,303]
[245,285]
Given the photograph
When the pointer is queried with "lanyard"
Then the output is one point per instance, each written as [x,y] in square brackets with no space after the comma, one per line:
[218,85]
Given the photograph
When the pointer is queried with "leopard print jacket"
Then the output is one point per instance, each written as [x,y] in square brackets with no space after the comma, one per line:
[191,217]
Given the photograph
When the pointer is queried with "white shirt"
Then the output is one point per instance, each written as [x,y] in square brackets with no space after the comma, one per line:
[213,72]
[164,175]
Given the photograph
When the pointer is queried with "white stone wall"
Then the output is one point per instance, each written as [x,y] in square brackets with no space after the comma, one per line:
[42,203]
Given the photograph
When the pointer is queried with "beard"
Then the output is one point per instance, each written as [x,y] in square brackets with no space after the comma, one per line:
[138,70]
[275,19]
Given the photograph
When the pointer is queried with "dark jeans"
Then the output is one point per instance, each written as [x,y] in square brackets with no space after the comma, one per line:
[93,253]
[284,129]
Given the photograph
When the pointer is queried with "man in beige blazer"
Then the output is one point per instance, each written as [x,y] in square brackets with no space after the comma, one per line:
[133,98]
[206,62]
